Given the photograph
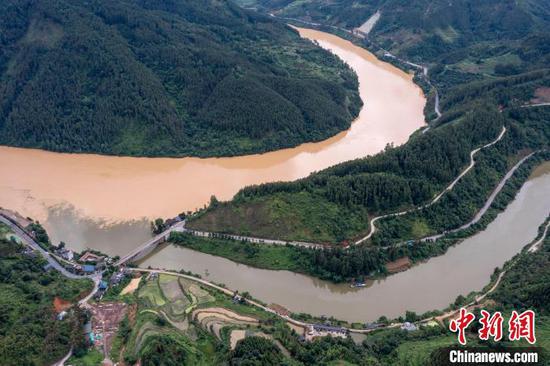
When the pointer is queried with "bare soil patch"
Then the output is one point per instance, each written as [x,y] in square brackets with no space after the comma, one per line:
[59,304]
[131,287]
[401,264]
[542,95]
[106,318]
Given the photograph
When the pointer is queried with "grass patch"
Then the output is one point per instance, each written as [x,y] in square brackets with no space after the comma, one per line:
[152,294]
[298,216]
[417,353]
[91,358]
[276,257]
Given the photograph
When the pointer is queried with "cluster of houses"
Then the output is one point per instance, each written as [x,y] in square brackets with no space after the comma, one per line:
[87,263]
[321,330]
[115,279]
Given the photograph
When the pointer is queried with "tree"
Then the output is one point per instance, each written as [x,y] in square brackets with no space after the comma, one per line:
[256,351]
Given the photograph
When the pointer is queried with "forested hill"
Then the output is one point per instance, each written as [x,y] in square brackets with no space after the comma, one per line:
[490,63]
[163,77]
[465,39]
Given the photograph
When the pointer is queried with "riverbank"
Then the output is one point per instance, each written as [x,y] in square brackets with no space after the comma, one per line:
[92,200]
[261,254]
[305,260]
[473,261]
[440,316]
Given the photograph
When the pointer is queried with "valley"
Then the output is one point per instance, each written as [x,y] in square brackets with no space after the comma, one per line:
[272,182]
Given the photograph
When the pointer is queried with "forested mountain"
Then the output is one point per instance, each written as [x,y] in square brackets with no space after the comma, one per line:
[461,39]
[495,63]
[404,25]
[152,77]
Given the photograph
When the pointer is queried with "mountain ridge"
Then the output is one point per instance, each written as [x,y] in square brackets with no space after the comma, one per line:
[156,78]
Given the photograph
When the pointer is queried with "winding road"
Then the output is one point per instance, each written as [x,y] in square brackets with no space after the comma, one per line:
[532,248]
[436,198]
[477,217]
[477,300]
[30,242]
[487,204]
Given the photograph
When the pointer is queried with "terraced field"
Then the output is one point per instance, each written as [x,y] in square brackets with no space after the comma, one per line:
[177,301]
[151,294]
[191,312]
[215,319]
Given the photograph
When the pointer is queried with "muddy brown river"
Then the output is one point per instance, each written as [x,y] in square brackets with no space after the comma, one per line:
[429,286]
[105,202]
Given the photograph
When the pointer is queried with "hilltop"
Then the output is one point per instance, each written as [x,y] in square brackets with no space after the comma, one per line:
[486,76]
[462,40]
[164,78]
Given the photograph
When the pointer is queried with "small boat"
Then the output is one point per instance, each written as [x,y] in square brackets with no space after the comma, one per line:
[358,284]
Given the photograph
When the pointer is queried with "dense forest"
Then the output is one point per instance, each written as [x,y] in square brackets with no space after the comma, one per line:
[510,34]
[30,334]
[164,78]
[479,93]
[334,206]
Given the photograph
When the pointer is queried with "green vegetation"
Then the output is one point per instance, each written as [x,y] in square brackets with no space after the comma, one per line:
[168,332]
[331,264]
[29,331]
[276,257]
[256,351]
[335,205]
[524,286]
[91,358]
[166,78]
[469,37]
[40,235]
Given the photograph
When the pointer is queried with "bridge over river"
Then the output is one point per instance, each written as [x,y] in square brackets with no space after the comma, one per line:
[150,245]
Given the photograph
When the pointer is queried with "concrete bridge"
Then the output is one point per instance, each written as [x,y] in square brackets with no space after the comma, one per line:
[147,247]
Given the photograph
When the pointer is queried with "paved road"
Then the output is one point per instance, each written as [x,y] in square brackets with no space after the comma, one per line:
[536,245]
[221,289]
[487,204]
[377,218]
[145,247]
[535,105]
[29,241]
[477,300]
[533,247]
[64,359]
[436,198]
[252,239]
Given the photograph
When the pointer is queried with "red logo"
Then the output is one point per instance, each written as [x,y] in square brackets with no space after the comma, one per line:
[491,326]
[520,326]
[461,323]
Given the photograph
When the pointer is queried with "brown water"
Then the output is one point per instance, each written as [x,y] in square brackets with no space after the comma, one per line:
[431,285]
[104,202]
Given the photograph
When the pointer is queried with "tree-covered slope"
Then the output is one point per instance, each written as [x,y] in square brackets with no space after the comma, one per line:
[480,92]
[29,331]
[406,23]
[459,40]
[151,77]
